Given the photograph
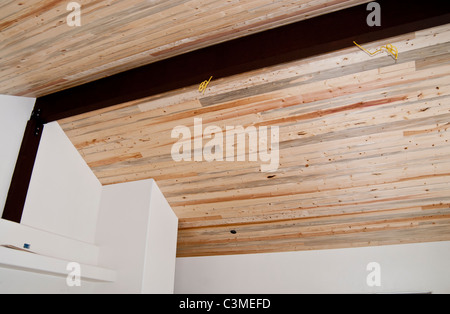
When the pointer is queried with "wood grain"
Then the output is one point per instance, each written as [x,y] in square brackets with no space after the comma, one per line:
[40,54]
[364,151]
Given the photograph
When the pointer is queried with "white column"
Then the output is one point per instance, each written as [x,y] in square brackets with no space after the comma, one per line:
[137,237]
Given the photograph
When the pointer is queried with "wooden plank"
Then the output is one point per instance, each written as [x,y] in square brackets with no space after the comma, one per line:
[41,55]
[363,150]
[363,146]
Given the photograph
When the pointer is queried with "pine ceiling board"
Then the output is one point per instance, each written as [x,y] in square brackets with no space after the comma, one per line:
[40,54]
[364,146]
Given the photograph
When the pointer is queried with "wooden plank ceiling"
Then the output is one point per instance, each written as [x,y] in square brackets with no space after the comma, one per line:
[40,54]
[363,149]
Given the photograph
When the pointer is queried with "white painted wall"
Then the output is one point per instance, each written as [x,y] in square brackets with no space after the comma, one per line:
[60,214]
[64,195]
[68,215]
[23,282]
[46,244]
[136,235]
[161,247]
[422,267]
[15,112]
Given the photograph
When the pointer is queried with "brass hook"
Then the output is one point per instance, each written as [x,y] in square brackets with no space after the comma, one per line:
[389,47]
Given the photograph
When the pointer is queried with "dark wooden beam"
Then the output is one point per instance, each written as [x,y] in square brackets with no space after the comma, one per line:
[307,38]
[18,189]
[292,42]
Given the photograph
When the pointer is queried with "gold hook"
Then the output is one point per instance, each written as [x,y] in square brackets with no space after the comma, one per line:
[389,47]
[203,85]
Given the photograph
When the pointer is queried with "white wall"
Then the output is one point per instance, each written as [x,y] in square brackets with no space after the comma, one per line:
[15,112]
[137,237]
[23,282]
[64,195]
[46,244]
[420,267]
[161,248]
[68,215]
